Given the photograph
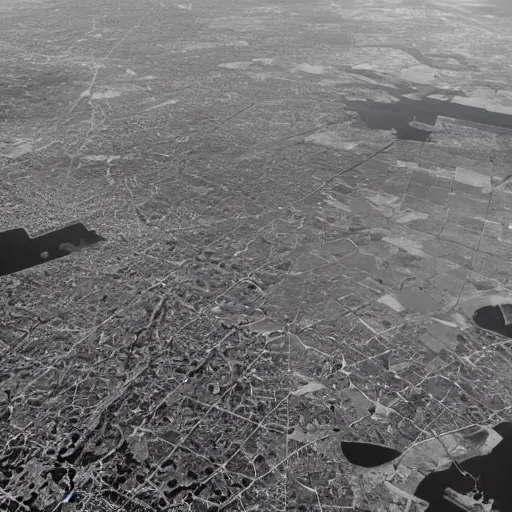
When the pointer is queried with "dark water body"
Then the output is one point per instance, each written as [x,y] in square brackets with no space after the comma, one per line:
[484,477]
[368,455]
[387,116]
[492,318]
[18,251]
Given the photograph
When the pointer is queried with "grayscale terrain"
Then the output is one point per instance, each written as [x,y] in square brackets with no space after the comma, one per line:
[305,204]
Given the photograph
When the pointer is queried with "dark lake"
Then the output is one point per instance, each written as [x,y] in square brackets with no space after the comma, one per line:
[387,116]
[484,477]
[18,251]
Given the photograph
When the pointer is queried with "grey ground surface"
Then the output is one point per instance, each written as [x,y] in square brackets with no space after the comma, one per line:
[277,277]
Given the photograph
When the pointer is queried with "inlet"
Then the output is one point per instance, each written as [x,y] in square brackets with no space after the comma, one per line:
[410,117]
[19,251]
[484,479]
[496,319]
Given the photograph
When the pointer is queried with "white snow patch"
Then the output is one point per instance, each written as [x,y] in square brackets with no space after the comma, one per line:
[391,302]
[235,65]
[107,95]
[312,70]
